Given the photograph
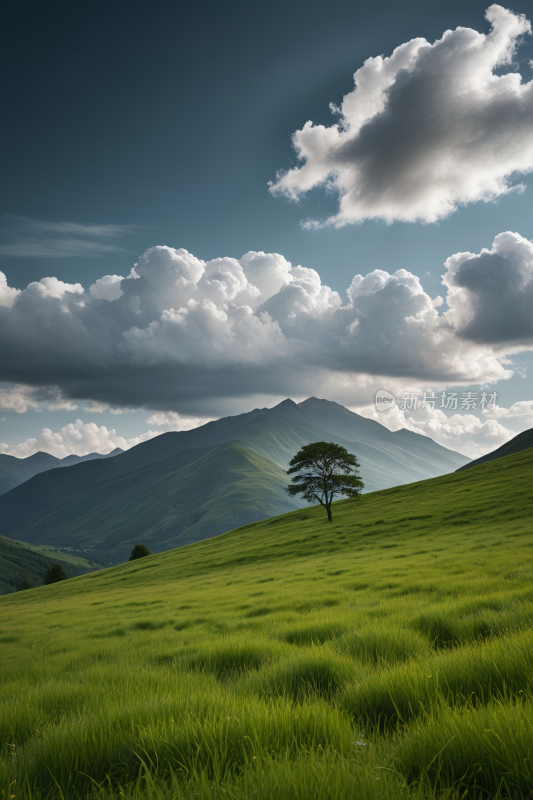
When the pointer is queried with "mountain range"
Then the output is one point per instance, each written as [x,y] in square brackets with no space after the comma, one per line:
[182,487]
[14,471]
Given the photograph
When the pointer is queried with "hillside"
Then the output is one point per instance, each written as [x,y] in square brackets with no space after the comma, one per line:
[523,441]
[186,497]
[92,503]
[14,471]
[384,655]
[19,560]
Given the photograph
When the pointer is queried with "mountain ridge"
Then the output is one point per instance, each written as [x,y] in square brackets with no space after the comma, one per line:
[14,471]
[63,506]
[522,441]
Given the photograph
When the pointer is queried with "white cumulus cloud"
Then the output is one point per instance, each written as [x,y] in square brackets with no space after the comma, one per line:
[7,294]
[187,335]
[175,422]
[77,438]
[464,432]
[520,413]
[427,129]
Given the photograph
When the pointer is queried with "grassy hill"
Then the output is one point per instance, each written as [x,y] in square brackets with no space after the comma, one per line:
[384,655]
[183,487]
[19,559]
[523,441]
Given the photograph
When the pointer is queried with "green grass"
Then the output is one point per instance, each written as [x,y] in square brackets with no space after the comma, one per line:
[385,655]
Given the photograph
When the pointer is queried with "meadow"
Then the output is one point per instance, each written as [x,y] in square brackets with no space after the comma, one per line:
[385,655]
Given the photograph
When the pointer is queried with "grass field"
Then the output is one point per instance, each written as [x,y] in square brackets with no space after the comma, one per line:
[388,654]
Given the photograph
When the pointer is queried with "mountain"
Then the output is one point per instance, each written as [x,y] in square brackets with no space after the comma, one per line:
[19,560]
[14,471]
[68,461]
[184,486]
[523,441]
[187,497]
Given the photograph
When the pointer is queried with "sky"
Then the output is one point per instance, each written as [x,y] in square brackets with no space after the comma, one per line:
[207,208]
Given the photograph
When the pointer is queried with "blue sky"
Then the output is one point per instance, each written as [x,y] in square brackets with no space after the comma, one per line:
[129,127]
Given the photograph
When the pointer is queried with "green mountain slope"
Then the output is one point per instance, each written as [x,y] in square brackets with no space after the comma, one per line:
[21,560]
[291,657]
[277,434]
[521,442]
[67,506]
[186,497]
[14,471]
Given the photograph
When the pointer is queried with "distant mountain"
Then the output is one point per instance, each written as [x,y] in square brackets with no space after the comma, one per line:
[189,496]
[523,441]
[184,486]
[68,461]
[14,471]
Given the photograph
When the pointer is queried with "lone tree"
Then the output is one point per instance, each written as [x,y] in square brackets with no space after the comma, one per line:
[54,574]
[139,551]
[323,470]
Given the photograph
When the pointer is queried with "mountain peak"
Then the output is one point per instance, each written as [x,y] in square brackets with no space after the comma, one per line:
[315,401]
[288,403]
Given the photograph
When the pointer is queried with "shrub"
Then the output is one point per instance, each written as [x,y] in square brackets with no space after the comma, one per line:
[139,551]
[55,574]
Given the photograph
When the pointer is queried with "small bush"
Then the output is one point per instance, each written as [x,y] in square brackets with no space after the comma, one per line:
[139,551]
[55,574]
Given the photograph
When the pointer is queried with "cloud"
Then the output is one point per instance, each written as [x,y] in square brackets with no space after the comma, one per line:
[465,433]
[93,407]
[7,295]
[189,336]
[29,238]
[107,288]
[491,293]
[520,413]
[176,422]
[20,398]
[428,129]
[77,438]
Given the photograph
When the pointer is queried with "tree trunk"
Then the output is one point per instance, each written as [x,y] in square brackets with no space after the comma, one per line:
[328,509]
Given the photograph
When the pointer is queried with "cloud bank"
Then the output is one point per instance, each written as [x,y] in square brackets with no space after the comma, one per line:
[76,438]
[181,334]
[464,433]
[428,129]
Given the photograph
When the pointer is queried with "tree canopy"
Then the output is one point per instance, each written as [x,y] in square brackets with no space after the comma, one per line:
[323,470]
[139,551]
[54,574]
